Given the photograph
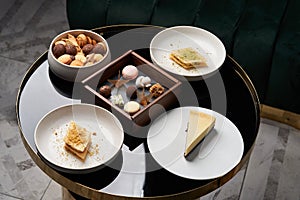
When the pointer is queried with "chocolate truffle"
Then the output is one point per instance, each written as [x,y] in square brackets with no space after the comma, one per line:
[71,49]
[105,91]
[99,48]
[143,81]
[86,49]
[59,50]
[131,92]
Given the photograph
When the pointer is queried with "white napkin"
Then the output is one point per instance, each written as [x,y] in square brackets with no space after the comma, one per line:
[131,178]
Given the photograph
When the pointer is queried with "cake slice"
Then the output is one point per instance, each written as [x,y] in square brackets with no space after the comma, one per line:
[77,140]
[199,126]
[81,155]
[188,58]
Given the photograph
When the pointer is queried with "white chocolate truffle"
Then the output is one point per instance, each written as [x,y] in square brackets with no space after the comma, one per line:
[146,81]
[130,72]
[143,81]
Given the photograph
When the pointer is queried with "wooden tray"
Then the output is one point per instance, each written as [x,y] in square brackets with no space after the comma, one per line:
[147,113]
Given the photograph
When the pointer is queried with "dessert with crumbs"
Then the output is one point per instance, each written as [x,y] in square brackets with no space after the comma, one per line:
[188,58]
[77,140]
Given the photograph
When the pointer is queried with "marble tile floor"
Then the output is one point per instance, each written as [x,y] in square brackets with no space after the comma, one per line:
[26,29]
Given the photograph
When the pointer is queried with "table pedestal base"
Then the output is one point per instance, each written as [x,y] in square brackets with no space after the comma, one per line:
[66,195]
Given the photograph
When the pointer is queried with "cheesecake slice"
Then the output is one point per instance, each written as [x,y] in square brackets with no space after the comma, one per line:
[77,140]
[188,58]
[199,126]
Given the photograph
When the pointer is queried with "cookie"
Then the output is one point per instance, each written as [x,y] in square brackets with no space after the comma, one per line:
[131,107]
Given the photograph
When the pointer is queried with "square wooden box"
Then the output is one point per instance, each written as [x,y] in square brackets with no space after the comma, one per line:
[157,105]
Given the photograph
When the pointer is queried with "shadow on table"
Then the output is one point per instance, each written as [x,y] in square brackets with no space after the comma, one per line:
[101,178]
[98,179]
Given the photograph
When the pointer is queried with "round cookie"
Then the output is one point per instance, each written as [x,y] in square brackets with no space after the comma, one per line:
[130,72]
[131,107]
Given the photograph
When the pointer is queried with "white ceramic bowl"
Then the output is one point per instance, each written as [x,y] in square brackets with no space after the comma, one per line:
[178,37]
[76,73]
[106,139]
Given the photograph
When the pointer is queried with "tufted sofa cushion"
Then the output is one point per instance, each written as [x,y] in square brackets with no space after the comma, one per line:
[284,79]
[262,35]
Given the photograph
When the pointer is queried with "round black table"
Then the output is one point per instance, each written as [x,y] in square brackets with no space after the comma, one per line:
[229,91]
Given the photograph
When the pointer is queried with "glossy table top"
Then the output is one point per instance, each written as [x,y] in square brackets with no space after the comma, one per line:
[228,92]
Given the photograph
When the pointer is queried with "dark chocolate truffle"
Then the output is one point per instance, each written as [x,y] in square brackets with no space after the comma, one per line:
[105,91]
[59,50]
[71,49]
[99,48]
[87,48]
[131,92]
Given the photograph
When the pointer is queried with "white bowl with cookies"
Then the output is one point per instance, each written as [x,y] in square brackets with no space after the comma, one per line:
[75,54]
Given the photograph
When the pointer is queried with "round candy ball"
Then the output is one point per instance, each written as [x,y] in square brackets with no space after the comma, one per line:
[130,72]
[105,91]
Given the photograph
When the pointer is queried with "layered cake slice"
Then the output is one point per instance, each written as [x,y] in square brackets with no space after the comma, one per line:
[199,126]
[77,140]
[188,58]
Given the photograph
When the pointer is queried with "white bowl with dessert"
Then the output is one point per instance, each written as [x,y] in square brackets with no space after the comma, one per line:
[195,143]
[187,51]
[78,138]
[75,54]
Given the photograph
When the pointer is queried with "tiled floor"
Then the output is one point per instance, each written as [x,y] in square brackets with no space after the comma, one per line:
[273,169]
[26,29]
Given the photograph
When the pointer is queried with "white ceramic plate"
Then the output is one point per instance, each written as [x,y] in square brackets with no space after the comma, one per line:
[219,152]
[206,43]
[107,137]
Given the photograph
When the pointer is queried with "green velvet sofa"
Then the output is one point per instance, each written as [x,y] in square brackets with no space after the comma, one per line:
[263,36]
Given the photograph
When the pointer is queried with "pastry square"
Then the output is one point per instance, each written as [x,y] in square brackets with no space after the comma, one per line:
[188,58]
